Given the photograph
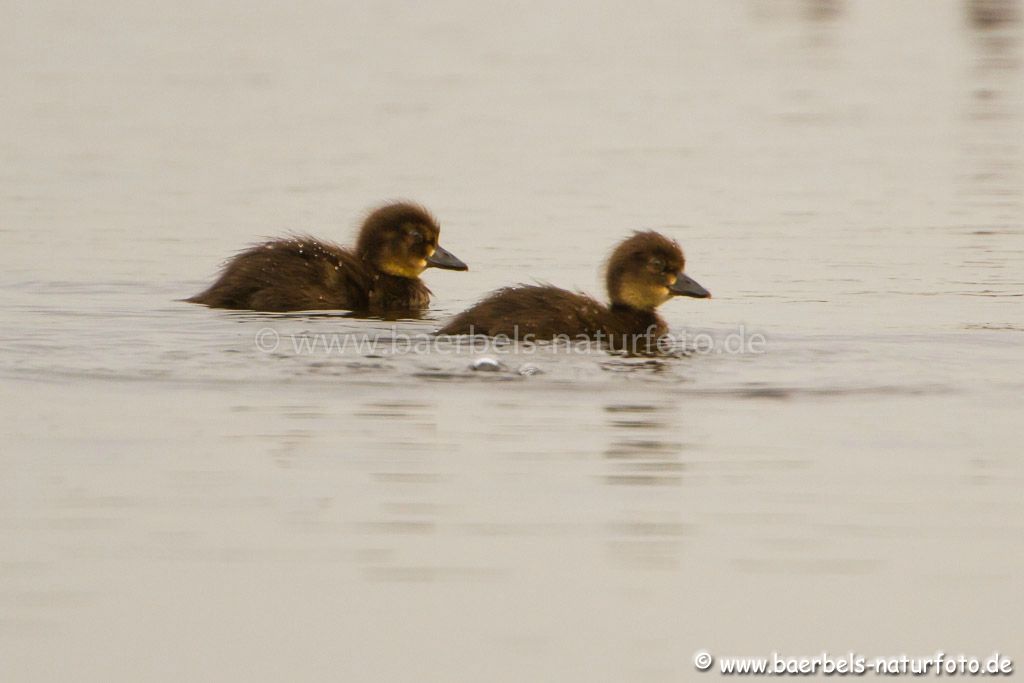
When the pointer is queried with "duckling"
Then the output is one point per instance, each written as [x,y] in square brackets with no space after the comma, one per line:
[396,243]
[644,271]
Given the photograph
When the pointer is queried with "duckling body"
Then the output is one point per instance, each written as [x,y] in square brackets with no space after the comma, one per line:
[644,271]
[543,312]
[381,274]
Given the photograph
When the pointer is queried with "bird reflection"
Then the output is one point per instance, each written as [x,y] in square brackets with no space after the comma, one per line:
[644,452]
[813,34]
[823,10]
[984,14]
[809,10]
[992,139]
[637,454]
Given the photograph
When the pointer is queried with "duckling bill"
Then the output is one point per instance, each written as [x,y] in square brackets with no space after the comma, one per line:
[644,271]
[396,243]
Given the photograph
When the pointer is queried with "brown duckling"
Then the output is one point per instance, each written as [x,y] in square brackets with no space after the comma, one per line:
[396,244]
[644,271]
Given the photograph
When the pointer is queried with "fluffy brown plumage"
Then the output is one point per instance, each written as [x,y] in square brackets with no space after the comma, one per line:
[396,243]
[644,271]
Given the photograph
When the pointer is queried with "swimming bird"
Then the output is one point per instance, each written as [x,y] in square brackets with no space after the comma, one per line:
[396,243]
[644,271]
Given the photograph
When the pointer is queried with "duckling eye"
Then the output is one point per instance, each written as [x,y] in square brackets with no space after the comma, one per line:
[657,264]
[416,236]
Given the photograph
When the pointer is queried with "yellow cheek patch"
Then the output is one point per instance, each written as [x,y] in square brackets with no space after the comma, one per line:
[643,297]
[404,268]
[672,279]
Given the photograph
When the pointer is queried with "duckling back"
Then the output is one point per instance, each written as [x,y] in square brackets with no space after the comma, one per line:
[292,274]
[529,312]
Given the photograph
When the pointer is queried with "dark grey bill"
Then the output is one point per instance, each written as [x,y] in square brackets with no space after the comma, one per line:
[442,258]
[687,286]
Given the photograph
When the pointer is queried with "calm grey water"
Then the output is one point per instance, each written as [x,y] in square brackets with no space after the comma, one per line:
[177,504]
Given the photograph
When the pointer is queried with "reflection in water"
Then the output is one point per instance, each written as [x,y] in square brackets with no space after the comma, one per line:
[641,452]
[992,184]
[823,10]
[644,452]
[811,10]
[812,34]
[814,23]
[407,427]
[984,14]
[993,139]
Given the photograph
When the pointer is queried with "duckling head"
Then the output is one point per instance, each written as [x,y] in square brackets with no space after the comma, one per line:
[646,270]
[402,240]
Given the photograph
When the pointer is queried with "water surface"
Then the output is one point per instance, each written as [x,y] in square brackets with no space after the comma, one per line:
[178,504]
